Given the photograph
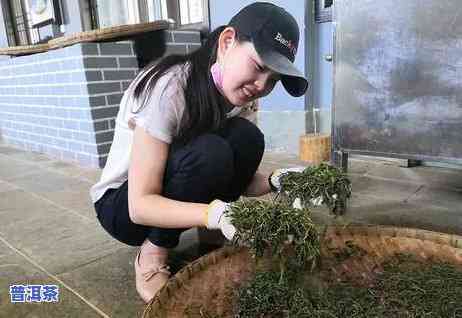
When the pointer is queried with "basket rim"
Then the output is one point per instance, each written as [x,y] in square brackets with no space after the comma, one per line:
[200,264]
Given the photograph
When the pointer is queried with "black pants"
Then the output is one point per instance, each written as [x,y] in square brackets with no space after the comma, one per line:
[212,166]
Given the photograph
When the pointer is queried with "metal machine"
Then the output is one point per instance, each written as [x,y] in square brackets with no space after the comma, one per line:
[398,79]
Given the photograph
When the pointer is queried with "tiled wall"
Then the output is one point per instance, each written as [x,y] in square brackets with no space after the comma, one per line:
[64,102]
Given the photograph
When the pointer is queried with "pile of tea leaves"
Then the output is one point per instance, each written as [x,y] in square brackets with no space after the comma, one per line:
[324,181]
[405,288]
[275,226]
[275,231]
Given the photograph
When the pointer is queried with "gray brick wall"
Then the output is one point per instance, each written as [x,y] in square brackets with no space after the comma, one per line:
[64,102]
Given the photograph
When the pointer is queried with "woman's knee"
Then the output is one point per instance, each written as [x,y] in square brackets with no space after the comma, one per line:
[247,142]
[214,155]
[208,157]
[247,133]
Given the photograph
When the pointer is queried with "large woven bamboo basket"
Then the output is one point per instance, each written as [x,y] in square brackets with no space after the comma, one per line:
[206,282]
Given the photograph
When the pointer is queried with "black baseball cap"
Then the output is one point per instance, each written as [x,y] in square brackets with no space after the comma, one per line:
[275,34]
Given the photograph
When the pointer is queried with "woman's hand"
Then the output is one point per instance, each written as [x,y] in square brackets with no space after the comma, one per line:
[275,184]
[216,218]
[275,177]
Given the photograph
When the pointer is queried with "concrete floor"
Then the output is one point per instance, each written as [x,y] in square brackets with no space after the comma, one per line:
[49,233]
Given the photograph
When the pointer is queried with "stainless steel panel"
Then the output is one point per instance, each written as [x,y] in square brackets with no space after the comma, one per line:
[398,78]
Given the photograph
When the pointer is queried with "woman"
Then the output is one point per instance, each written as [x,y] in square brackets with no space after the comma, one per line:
[182,148]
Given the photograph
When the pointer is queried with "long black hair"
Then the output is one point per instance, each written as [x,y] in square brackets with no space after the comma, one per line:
[205,108]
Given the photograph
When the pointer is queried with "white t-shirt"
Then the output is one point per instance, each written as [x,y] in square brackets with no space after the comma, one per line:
[160,118]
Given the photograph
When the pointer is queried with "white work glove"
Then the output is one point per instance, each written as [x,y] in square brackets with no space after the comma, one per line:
[217,219]
[297,204]
[275,183]
[275,177]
